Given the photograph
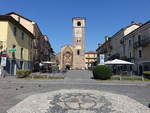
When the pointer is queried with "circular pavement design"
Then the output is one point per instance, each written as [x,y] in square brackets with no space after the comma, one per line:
[78,101]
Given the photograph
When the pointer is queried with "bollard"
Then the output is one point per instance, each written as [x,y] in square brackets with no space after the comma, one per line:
[142,78]
[32,77]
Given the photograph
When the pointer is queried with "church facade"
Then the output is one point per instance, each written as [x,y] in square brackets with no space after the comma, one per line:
[72,56]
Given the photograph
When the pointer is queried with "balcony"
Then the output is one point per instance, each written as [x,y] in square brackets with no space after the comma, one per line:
[103,51]
[114,56]
[142,43]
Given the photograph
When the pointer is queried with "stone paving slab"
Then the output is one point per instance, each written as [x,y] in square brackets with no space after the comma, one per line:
[78,101]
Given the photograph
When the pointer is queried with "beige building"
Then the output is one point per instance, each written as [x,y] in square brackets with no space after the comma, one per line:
[137,46]
[90,59]
[117,51]
[15,36]
[42,50]
[105,49]
[131,44]
[112,47]
[72,56]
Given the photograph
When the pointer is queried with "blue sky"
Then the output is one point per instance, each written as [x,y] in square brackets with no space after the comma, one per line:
[104,17]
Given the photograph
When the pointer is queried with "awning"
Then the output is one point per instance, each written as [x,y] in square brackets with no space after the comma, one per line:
[118,62]
[48,62]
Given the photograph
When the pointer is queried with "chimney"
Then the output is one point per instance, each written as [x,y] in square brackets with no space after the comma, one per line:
[106,38]
[132,22]
[99,45]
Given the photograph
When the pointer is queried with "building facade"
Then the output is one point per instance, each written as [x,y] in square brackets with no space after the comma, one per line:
[105,49]
[90,59]
[136,48]
[72,56]
[16,43]
[131,44]
[42,50]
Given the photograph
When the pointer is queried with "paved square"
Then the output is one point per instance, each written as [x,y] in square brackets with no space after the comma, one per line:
[14,91]
[79,101]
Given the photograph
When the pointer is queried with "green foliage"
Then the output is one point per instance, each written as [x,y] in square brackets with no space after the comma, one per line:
[146,74]
[102,72]
[23,73]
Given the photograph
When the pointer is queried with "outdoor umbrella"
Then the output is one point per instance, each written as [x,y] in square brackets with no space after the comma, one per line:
[118,62]
[48,62]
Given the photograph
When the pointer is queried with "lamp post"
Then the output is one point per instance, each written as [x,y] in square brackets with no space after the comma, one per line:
[13,50]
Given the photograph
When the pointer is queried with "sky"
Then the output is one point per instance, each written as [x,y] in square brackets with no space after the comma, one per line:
[103,17]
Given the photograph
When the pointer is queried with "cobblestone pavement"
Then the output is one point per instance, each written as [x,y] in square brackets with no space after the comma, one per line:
[79,101]
[13,91]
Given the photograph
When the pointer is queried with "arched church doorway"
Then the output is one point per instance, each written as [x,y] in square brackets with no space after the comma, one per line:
[67,60]
[68,67]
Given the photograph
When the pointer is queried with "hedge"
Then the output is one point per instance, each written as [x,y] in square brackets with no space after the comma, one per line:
[146,74]
[102,72]
[22,73]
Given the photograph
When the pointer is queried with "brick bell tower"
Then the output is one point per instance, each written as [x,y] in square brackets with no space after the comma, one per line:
[78,42]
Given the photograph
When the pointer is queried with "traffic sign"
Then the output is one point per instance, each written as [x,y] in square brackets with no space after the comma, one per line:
[3,61]
[12,50]
[102,57]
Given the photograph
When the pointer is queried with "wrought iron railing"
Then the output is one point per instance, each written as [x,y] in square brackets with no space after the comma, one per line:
[141,43]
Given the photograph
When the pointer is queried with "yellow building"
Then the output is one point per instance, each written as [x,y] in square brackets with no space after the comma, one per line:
[42,50]
[14,36]
[90,58]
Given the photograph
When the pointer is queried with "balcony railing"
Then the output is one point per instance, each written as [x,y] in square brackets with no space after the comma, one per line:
[142,43]
[103,51]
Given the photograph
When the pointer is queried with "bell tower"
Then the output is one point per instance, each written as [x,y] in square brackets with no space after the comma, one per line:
[78,42]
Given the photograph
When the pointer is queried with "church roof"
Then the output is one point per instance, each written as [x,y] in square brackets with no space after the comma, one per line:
[79,18]
[13,21]
[90,52]
[18,15]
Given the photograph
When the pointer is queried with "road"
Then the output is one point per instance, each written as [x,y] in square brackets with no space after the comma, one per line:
[14,90]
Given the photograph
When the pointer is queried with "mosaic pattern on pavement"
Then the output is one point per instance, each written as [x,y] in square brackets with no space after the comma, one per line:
[78,101]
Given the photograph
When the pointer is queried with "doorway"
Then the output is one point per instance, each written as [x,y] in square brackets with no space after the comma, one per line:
[140,70]
[67,67]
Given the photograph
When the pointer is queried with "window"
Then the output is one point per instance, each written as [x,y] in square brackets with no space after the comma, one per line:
[21,53]
[79,23]
[30,43]
[130,55]
[78,40]
[129,43]
[78,52]
[140,53]
[22,35]
[14,31]
[139,40]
